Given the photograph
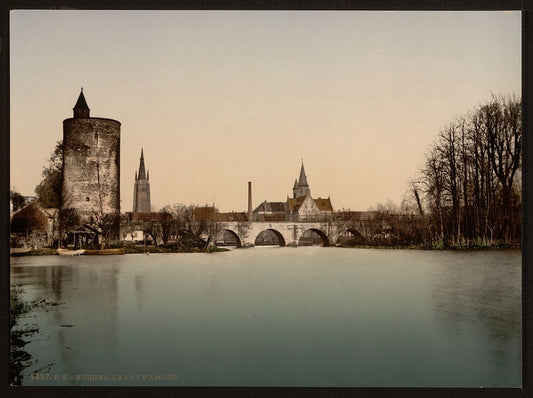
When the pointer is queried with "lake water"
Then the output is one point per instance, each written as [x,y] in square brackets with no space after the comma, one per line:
[306,316]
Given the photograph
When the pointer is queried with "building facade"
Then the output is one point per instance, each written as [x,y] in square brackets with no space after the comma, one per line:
[141,189]
[301,207]
[91,164]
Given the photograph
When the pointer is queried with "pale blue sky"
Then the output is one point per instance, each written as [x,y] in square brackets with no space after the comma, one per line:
[219,98]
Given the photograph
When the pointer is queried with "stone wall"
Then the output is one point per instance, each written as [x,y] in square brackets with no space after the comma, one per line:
[91,166]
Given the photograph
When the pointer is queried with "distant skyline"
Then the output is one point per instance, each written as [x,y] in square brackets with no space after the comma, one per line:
[220,98]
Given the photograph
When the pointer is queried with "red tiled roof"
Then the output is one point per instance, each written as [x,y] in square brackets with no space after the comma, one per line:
[324,204]
[295,203]
[232,216]
[271,207]
[204,213]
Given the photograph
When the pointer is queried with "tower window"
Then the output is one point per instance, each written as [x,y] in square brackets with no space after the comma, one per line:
[87,199]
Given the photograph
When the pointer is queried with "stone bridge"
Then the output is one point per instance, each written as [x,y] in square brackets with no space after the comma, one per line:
[289,233]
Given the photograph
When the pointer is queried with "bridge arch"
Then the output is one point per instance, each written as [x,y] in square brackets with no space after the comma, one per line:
[263,237]
[316,231]
[351,237]
[227,235]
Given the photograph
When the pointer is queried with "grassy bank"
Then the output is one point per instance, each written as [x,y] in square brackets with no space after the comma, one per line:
[438,246]
[134,249]
[45,251]
[174,248]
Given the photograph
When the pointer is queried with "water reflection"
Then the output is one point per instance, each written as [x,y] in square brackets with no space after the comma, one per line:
[138,283]
[68,332]
[481,297]
[284,317]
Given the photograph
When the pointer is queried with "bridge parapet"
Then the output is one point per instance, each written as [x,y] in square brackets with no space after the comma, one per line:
[290,233]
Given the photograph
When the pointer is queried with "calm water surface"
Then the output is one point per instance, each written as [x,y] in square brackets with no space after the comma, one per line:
[277,317]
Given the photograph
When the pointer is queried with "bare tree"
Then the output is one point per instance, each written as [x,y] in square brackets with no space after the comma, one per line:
[469,179]
[167,222]
[68,220]
[502,125]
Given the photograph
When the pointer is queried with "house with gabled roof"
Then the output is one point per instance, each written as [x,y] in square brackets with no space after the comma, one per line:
[302,206]
[34,225]
[270,211]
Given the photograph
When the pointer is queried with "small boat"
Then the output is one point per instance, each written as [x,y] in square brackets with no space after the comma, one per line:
[67,252]
[100,252]
[19,250]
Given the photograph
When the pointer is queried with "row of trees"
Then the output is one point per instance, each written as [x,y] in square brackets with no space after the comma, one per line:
[179,223]
[469,191]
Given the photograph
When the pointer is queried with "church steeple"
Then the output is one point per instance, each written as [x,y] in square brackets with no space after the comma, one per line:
[81,109]
[300,188]
[302,181]
[141,189]
[142,172]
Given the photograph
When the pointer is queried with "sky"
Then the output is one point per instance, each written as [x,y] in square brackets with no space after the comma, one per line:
[220,98]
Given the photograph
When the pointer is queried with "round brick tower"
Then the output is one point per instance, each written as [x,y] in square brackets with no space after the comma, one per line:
[91,163]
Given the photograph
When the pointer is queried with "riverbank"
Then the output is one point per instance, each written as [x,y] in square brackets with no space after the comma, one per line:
[133,250]
[176,248]
[502,246]
[171,249]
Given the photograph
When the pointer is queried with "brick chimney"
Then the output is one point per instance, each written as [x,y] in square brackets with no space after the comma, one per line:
[249,200]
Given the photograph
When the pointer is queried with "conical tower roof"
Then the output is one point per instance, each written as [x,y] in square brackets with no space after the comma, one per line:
[142,171]
[302,181]
[81,109]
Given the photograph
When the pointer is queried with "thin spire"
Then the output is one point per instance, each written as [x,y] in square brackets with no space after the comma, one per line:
[142,171]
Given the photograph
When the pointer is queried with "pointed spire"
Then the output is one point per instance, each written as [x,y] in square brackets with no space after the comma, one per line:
[142,171]
[147,175]
[302,181]
[135,175]
[81,109]
[295,183]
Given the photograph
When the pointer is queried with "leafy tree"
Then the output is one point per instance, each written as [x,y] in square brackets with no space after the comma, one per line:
[49,189]
[17,199]
[28,220]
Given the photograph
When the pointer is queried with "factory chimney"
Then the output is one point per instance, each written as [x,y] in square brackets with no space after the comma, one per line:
[249,201]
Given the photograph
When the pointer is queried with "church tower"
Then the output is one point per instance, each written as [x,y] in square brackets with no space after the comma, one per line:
[141,189]
[300,188]
[91,164]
